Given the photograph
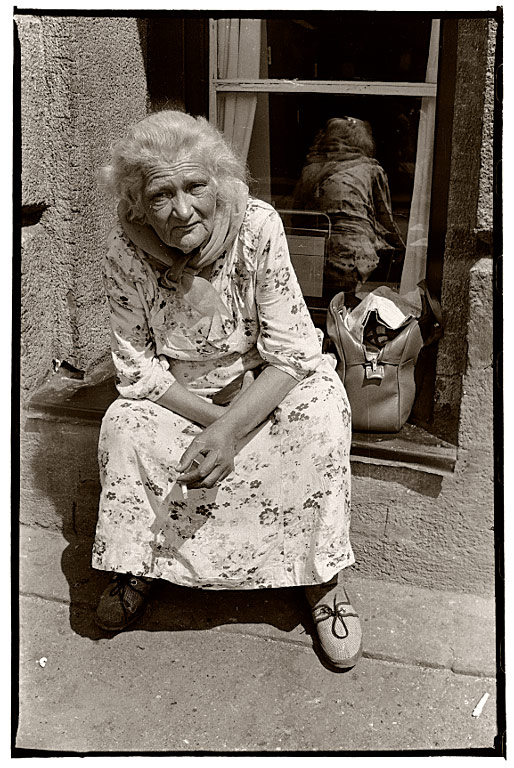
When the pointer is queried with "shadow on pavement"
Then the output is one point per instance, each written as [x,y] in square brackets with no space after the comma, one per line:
[174,608]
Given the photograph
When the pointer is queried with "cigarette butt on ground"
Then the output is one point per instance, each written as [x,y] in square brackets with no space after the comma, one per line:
[184,491]
[479,707]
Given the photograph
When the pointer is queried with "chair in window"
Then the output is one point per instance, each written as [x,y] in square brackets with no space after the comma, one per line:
[307,235]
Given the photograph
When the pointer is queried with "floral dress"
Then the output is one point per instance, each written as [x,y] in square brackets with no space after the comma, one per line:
[282,517]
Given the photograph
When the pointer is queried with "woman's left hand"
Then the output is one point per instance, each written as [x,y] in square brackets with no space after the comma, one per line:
[209,458]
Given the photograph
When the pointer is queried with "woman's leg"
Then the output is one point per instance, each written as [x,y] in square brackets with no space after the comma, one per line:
[129,451]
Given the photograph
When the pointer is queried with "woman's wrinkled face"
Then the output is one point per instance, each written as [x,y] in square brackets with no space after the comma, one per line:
[179,201]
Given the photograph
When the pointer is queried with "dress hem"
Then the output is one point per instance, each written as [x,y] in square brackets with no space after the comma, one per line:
[238,586]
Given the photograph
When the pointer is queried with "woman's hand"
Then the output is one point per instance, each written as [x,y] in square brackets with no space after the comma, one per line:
[209,458]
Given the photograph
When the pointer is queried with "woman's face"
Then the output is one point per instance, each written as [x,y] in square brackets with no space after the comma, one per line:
[179,201]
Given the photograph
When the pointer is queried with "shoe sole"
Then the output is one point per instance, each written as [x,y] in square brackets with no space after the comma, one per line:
[347,664]
[344,665]
[118,628]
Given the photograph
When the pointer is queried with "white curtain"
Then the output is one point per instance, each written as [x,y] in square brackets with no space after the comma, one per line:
[239,45]
[414,268]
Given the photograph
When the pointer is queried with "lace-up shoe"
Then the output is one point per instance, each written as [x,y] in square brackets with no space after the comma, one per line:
[123,601]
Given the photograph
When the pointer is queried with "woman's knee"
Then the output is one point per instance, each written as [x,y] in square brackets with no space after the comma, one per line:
[318,402]
[123,416]
[320,386]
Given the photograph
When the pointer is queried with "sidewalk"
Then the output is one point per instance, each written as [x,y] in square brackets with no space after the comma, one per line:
[235,671]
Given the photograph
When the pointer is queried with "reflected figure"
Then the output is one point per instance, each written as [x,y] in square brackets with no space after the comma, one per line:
[342,178]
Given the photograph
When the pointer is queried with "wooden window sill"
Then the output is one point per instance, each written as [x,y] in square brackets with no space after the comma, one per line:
[412,447]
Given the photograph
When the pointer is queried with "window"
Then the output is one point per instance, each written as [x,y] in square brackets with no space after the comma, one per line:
[274,84]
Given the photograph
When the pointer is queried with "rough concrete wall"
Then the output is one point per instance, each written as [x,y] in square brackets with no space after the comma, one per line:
[46,133]
[484,224]
[469,210]
[83,80]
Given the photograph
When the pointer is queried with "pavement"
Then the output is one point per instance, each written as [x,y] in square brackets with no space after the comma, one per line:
[216,672]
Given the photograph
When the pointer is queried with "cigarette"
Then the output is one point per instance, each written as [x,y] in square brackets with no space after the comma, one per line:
[194,465]
[479,707]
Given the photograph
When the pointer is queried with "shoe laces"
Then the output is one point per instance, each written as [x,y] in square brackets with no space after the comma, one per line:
[338,613]
[125,587]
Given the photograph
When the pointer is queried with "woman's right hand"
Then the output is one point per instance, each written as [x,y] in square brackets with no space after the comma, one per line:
[210,456]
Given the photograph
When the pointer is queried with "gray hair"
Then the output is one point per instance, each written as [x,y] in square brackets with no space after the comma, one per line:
[163,137]
[345,133]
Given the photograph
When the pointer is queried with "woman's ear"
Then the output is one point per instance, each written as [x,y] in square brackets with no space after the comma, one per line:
[145,237]
[124,208]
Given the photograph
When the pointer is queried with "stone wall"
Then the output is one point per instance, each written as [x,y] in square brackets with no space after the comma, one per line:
[82,81]
[470,211]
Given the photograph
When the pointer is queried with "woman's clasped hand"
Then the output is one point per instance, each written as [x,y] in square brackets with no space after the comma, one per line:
[209,459]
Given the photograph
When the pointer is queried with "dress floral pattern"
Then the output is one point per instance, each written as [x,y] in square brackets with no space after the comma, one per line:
[282,517]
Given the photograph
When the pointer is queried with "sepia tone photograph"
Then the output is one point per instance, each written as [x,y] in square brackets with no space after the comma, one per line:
[257,260]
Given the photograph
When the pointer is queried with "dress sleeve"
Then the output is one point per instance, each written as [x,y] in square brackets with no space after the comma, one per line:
[140,372]
[287,338]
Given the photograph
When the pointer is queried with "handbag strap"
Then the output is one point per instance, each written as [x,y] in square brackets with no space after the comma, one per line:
[433,303]
[435,307]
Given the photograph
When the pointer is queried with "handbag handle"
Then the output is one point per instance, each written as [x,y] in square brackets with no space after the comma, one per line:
[435,307]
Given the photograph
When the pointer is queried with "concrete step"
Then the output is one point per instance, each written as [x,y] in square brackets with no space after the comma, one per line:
[402,623]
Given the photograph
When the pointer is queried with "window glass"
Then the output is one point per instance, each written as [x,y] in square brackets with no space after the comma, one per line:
[348,194]
[335,117]
[349,47]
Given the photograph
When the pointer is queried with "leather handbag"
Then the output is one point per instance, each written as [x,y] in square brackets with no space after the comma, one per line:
[380,382]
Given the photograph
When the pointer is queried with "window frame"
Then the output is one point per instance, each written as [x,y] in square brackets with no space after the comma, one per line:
[278,85]
[416,264]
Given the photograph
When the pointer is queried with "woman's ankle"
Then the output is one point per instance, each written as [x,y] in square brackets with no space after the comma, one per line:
[316,592]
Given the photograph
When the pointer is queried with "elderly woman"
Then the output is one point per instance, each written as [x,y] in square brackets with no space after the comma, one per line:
[342,178]
[225,460]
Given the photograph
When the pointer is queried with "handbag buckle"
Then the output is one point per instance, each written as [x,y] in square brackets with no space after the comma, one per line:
[374,370]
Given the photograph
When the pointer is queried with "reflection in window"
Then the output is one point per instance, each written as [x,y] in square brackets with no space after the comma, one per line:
[342,177]
[377,200]
[375,182]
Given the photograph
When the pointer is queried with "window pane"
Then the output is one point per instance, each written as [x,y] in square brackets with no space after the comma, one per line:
[334,46]
[283,132]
